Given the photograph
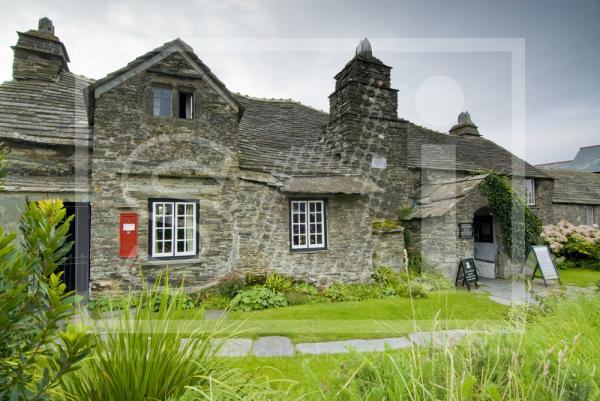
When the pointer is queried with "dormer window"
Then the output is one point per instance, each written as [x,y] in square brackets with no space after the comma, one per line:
[162,103]
[186,105]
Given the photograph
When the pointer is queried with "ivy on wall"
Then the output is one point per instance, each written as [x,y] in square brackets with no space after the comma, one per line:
[516,220]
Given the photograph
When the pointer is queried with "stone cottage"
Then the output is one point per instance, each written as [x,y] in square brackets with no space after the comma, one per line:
[166,169]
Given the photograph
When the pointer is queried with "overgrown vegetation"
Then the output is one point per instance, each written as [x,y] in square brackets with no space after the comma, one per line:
[517,221]
[36,348]
[552,357]
[574,246]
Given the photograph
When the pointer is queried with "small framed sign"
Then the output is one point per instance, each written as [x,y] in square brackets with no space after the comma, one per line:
[467,273]
[465,230]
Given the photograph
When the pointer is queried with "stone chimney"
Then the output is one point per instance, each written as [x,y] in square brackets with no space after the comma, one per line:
[465,126]
[361,108]
[363,87]
[39,54]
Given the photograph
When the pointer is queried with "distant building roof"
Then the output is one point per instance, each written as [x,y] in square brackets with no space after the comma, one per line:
[575,187]
[587,159]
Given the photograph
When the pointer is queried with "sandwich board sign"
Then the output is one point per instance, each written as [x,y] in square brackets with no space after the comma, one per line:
[540,261]
[467,273]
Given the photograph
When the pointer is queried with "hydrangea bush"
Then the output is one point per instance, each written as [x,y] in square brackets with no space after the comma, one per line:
[574,246]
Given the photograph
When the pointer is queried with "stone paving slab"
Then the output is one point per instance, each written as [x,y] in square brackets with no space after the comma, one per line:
[235,347]
[341,347]
[273,346]
[437,339]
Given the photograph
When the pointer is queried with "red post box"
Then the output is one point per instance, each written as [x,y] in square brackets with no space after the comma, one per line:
[128,235]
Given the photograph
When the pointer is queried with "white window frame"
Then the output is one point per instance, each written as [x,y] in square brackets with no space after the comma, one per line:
[157,93]
[310,228]
[591,218]
[530,191]
[188,105]
[174,224]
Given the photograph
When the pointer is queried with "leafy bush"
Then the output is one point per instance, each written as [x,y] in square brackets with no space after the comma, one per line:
[338,292]
[433,281]
[253,279]
[277,282]
[305,288]
[36,349]
[256,298]
[148,355]
[231,286]
[216,301]
[300,298]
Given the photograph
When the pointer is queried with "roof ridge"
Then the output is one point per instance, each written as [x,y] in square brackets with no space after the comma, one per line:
[279,100]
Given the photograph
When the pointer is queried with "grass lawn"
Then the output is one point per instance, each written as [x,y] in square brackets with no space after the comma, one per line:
[299,374]
[579,277]
[377,318]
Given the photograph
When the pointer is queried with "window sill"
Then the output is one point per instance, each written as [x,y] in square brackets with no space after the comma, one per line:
[166,261]
[305,251]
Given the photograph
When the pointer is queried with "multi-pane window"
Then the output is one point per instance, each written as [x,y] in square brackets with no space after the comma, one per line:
[530,191]
[173,228]
[162,103]
[590,216]
[308,224]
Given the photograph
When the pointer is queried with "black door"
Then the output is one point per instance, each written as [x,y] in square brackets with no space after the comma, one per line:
[77,266]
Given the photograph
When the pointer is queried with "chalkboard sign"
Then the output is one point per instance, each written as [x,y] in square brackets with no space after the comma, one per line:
[467,273]
[540,260]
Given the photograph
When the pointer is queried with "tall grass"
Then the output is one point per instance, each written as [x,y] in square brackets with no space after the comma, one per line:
[553,358]
[147,354]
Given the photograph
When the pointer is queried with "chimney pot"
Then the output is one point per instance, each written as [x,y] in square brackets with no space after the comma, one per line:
[45,25]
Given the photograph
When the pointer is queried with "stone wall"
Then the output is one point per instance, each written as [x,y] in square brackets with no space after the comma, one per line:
[264,243]
[138,156]
[574,214]
[40,160]
[388,249]
[438,240]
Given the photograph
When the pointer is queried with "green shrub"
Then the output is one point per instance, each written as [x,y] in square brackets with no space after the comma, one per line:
[574,246]
[216,301]
[433,281]
[278,283]
[231,286]
[305,288]
[256,298]
[338,292]
[299,298]
[253,279]
[37,348]
[385,276]
[147,355]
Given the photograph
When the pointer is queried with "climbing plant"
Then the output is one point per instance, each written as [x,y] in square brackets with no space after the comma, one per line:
[516,219]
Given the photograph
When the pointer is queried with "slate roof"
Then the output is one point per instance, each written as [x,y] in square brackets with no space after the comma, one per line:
[575,187]
[587,159]
[45,112]
[438,198]
[429,149]
[282,136]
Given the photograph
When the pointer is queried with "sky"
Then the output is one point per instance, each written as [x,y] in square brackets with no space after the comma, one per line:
[447,56]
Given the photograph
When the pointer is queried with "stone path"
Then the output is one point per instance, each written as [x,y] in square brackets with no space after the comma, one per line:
[283,346]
